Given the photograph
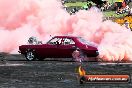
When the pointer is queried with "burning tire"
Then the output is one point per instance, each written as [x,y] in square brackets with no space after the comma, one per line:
[78,55]
[30,55]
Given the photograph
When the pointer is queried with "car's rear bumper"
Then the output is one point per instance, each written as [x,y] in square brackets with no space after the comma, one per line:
[92,54]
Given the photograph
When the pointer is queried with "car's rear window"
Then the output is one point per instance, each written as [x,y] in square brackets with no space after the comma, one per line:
[87,42]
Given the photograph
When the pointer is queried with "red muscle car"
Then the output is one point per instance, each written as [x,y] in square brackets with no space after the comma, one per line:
[59,47]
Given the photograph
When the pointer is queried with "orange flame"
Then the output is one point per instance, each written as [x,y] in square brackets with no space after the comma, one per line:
[81,71]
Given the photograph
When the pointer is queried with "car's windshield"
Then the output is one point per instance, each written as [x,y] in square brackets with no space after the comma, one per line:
[87,42]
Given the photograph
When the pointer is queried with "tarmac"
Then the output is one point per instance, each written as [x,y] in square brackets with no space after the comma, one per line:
[16,72]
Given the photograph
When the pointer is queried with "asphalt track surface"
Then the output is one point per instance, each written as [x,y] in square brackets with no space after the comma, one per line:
[16,72]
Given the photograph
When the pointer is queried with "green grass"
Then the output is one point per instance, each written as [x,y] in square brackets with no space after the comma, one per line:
[112,1]
[83,3]
[112,13]
[77,4]
[106,13]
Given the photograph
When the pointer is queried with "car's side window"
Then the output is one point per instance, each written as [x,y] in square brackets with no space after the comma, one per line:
[55,41]
[68,41]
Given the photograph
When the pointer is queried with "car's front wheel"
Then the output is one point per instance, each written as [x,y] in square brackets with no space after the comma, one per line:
[30,56]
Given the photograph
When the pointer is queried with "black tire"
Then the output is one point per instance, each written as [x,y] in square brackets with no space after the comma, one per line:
[30,55]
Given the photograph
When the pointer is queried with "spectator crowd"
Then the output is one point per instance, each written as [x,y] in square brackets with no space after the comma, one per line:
[120,7]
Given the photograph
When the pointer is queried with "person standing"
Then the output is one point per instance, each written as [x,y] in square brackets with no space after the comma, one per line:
[126,24]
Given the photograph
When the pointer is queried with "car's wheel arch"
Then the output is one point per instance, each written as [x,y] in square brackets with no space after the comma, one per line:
[78,53]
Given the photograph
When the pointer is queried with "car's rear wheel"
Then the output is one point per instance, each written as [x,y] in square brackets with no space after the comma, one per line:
[30,55]
[78,55]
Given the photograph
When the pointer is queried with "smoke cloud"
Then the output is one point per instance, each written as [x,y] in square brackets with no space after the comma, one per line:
[21,19]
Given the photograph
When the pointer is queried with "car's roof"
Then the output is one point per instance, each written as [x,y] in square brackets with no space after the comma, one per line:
[66,36]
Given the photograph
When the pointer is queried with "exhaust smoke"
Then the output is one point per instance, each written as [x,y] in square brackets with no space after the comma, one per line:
[21,19]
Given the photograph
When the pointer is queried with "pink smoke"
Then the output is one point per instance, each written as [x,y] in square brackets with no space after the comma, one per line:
[21,19]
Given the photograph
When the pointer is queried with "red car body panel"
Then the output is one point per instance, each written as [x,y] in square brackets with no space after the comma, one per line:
[50,50]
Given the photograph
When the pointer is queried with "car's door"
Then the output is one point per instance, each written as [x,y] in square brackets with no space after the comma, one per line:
[66,47]
[51,48]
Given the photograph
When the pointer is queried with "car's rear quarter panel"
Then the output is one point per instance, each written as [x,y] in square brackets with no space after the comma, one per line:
[90,51]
